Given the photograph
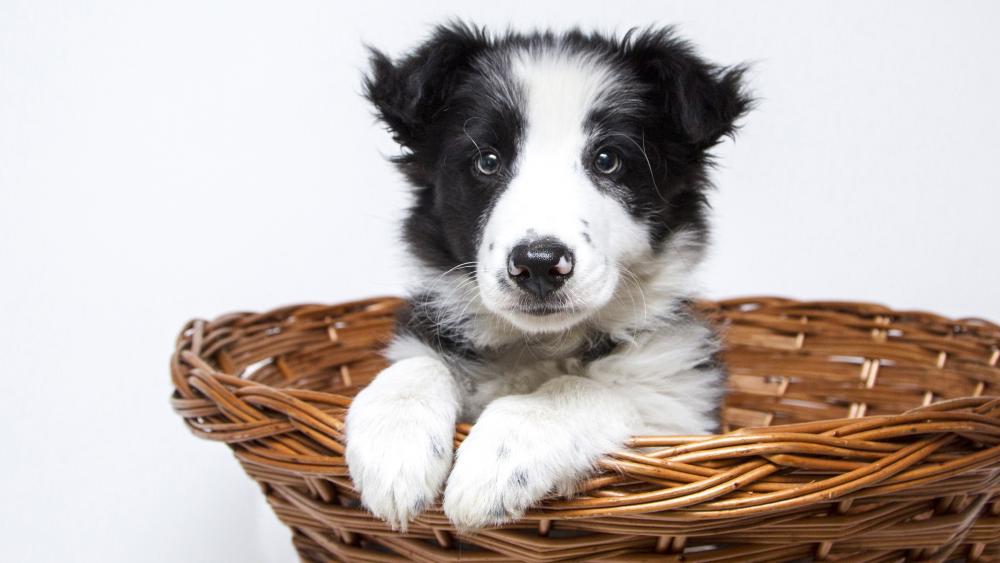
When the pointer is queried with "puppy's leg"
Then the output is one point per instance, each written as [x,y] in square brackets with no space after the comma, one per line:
[400,432]
[526,446]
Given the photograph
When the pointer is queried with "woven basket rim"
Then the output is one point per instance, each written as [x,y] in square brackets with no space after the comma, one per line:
[974,325]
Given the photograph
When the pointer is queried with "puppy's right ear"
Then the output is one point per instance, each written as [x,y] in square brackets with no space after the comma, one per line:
[409,93]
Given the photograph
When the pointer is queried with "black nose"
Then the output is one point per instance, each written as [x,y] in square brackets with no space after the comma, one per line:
[540,267]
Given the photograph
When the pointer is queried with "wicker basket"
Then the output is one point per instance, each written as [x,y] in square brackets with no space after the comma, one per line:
[853,432]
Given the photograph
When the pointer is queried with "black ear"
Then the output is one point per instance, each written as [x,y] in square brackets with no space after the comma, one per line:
[407,94]
[702,101]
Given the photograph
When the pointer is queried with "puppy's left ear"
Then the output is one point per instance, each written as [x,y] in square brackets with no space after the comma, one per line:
[409,94]
[702,101]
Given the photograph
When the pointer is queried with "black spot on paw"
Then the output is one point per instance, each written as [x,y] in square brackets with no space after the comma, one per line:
[519,479]
[437,448]
[498,513]
[503,452]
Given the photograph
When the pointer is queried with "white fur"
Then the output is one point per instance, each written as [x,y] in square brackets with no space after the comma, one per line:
[657,376]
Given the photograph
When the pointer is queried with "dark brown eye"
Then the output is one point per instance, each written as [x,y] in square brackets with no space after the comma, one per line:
[607,161]
[488,163]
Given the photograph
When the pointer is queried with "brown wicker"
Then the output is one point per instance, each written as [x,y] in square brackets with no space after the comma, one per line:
[854,432]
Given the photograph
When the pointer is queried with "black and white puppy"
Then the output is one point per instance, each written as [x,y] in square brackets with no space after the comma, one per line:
[559,209]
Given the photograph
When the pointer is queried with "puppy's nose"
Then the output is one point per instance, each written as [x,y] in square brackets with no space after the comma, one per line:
[540,267]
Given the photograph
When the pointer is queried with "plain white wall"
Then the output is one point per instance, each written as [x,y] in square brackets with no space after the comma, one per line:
[189,158]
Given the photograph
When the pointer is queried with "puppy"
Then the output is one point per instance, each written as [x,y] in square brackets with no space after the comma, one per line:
[559,209]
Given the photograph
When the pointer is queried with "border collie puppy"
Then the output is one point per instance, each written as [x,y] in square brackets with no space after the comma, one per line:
[559,209]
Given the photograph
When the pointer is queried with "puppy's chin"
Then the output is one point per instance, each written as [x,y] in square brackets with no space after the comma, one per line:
[545,323]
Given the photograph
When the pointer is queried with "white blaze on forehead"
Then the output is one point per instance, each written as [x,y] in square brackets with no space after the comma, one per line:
[560,90]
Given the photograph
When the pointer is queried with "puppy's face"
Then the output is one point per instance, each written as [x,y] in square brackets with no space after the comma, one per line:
[555,166]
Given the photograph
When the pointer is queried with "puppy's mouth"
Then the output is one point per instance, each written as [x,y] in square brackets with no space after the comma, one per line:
[527,304]
[542,310]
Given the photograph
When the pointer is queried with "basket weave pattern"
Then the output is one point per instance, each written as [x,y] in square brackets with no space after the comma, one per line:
[852,431]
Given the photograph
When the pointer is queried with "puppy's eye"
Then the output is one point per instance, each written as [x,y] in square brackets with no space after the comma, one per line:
[488,163]
[607,161]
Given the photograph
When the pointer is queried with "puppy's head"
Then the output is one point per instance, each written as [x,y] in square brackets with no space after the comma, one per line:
[556,166]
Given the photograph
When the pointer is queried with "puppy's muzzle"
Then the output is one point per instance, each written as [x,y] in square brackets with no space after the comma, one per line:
[540,267]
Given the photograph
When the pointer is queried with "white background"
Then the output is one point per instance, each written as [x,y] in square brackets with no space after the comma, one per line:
[189,158]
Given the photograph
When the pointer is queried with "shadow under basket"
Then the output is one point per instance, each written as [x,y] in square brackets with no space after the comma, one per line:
[852,432]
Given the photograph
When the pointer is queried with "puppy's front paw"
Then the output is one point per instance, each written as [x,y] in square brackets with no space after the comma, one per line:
[399,443]
[490,485]
[506,465]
